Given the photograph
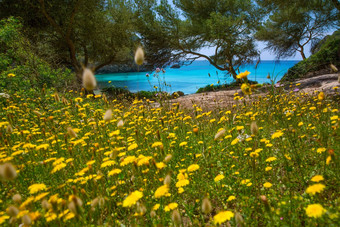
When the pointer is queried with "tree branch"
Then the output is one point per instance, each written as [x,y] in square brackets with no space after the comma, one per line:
[336,4]
[206,57]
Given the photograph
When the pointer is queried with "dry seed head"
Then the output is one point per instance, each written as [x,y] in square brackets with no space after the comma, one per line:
[239,219]
[120,124]
[26,219]
[206,206]
[141,209]
[9,128]
[168,158]
[89,81]
[339,78]
[56,97]
[254,128]
[94,202]
[334,68]
[64,101]
[17,198]
[37,113]
[219,134]
[46,205]
[7,171]
[108,115]
[152,214]
[167,179]
[176,217]
[139,56]
[71,132]
[12,211]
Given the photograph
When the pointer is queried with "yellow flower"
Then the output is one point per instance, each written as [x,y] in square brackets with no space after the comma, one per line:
[268,168]
[222,217]
[182,183]
[193,167]
[34,188]
[246,89]
[162,191]
[235,141]
[183,144]
[315,210]
[230,198]
[170,206]
[155,207]
[157,144]
[132,147]
[11,75]
[218,178]
[160,165]
[267,185]
[132,198]
[320,150]
[243,75]
[114,172]
[317,178]
[277,134]
[270,159]
[315,188]
[321,96]
[58,167]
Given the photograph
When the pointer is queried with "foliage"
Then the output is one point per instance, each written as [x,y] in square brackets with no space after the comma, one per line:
[22,68]
[221,87]
[292,25]
[145,165]
[328,53]
[192,25]
[80,33]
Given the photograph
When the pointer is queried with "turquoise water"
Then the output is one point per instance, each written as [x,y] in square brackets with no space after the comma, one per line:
[189,78]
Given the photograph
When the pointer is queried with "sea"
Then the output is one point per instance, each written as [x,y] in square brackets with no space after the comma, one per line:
[189,79]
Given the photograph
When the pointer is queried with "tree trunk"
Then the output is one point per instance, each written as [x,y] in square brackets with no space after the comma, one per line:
[303,55]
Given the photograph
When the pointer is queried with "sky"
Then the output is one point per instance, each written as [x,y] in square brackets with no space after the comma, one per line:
[264,54]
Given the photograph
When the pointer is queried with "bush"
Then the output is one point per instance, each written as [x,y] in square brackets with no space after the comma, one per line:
[20,67]
[318,63]
[221,87]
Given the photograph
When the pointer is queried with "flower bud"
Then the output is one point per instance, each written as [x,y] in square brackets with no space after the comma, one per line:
[89,81]
[139,56]
[334,68]
[120,124]
[71,132]
[7,171]
[12,211]
[17,198]
[206,206]
[168,158]
[254,128]
[219,134]
[108,115]
[176,217]
[26,219]
[239,219]
[167,179]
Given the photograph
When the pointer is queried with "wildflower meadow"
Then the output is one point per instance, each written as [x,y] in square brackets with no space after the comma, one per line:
[80,159]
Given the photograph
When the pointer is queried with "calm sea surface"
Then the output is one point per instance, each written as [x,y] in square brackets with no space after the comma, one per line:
[189,78]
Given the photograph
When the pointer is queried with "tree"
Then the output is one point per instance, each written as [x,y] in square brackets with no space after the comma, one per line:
[293,24]
[82,33]
[225,25]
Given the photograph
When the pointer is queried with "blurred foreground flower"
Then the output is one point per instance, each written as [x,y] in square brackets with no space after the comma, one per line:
[89,81]
[139,56]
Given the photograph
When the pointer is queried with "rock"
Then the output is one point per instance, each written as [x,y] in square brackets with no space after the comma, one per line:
[175,66]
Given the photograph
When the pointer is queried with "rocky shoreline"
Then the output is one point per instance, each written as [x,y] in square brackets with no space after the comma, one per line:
[214,99]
